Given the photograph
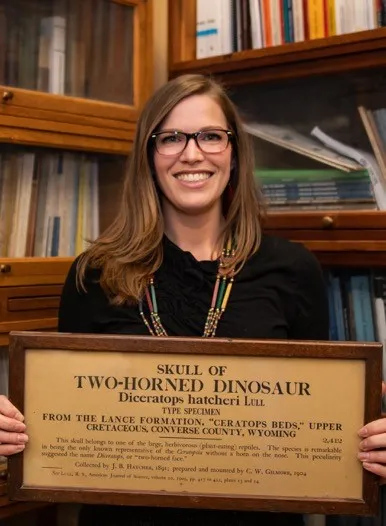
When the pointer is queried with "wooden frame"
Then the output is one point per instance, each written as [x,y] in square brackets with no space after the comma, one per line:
[142,350]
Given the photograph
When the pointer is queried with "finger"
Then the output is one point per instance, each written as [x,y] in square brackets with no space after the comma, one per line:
[10,424]
[378,457]
[373,442]
[11,449]
[13,438]
[8,409]
[377,469]
[373,428]
[383,388]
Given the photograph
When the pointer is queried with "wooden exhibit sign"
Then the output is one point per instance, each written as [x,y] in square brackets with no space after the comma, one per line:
[194,422]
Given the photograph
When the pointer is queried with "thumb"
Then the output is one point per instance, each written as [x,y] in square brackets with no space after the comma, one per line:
[383,388]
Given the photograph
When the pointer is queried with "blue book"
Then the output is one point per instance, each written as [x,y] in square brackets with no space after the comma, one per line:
[362,306]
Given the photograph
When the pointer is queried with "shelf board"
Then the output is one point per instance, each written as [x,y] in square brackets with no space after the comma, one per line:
[327,220]
[354,51]
[340,238]
[350,259]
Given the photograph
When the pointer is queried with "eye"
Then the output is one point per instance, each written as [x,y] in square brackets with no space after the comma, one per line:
[211,136]
[170,138]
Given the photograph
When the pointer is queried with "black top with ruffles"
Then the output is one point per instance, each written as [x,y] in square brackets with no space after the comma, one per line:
[279,294]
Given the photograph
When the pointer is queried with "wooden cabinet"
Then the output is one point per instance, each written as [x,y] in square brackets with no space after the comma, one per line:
[30,291]
[29,308]
[73,78]
[98,79]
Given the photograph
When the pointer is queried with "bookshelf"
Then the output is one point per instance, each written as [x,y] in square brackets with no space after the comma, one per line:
[73,78]
[353,51]
[319,82]
[325,80]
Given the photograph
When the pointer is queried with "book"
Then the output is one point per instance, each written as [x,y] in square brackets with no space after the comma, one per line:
[366,160]
[291,139]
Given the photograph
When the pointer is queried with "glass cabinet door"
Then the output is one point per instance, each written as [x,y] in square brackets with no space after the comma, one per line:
[54,202]
[81,48]
[65,59]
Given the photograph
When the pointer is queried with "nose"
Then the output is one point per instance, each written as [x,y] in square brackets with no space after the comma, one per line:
[192,152]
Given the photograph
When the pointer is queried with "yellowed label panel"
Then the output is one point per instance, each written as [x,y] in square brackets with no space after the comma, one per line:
[280,427]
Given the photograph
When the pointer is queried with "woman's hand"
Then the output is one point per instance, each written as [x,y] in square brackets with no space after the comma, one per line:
[12,428]
[373,445]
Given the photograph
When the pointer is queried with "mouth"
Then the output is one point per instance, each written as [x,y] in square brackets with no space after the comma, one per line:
[193,177]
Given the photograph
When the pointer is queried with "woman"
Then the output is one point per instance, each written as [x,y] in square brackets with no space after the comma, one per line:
[190,214]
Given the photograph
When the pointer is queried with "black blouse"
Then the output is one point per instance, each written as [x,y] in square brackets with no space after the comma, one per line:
[279,294]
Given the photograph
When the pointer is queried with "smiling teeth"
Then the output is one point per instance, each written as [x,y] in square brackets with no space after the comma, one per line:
[193,177]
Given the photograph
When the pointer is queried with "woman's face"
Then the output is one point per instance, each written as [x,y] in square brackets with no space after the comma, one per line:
[193,181]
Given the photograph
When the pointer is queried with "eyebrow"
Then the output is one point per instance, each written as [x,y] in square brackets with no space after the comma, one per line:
[204,128]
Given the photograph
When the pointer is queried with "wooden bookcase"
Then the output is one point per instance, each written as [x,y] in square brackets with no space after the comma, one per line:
[108,77]
[284,78]
[97,114]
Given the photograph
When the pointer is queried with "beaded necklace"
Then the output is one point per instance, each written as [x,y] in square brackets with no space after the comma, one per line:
[220,297]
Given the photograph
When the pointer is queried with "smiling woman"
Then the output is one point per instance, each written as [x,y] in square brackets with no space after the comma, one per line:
[190,156]
[186,257]
[193,174]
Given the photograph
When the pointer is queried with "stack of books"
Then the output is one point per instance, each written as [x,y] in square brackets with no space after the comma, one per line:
[350,178]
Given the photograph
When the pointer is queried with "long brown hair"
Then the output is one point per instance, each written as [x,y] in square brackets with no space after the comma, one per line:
[130,250]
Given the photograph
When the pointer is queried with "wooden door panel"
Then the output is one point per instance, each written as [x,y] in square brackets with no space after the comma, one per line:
[29,308]
[33,271]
